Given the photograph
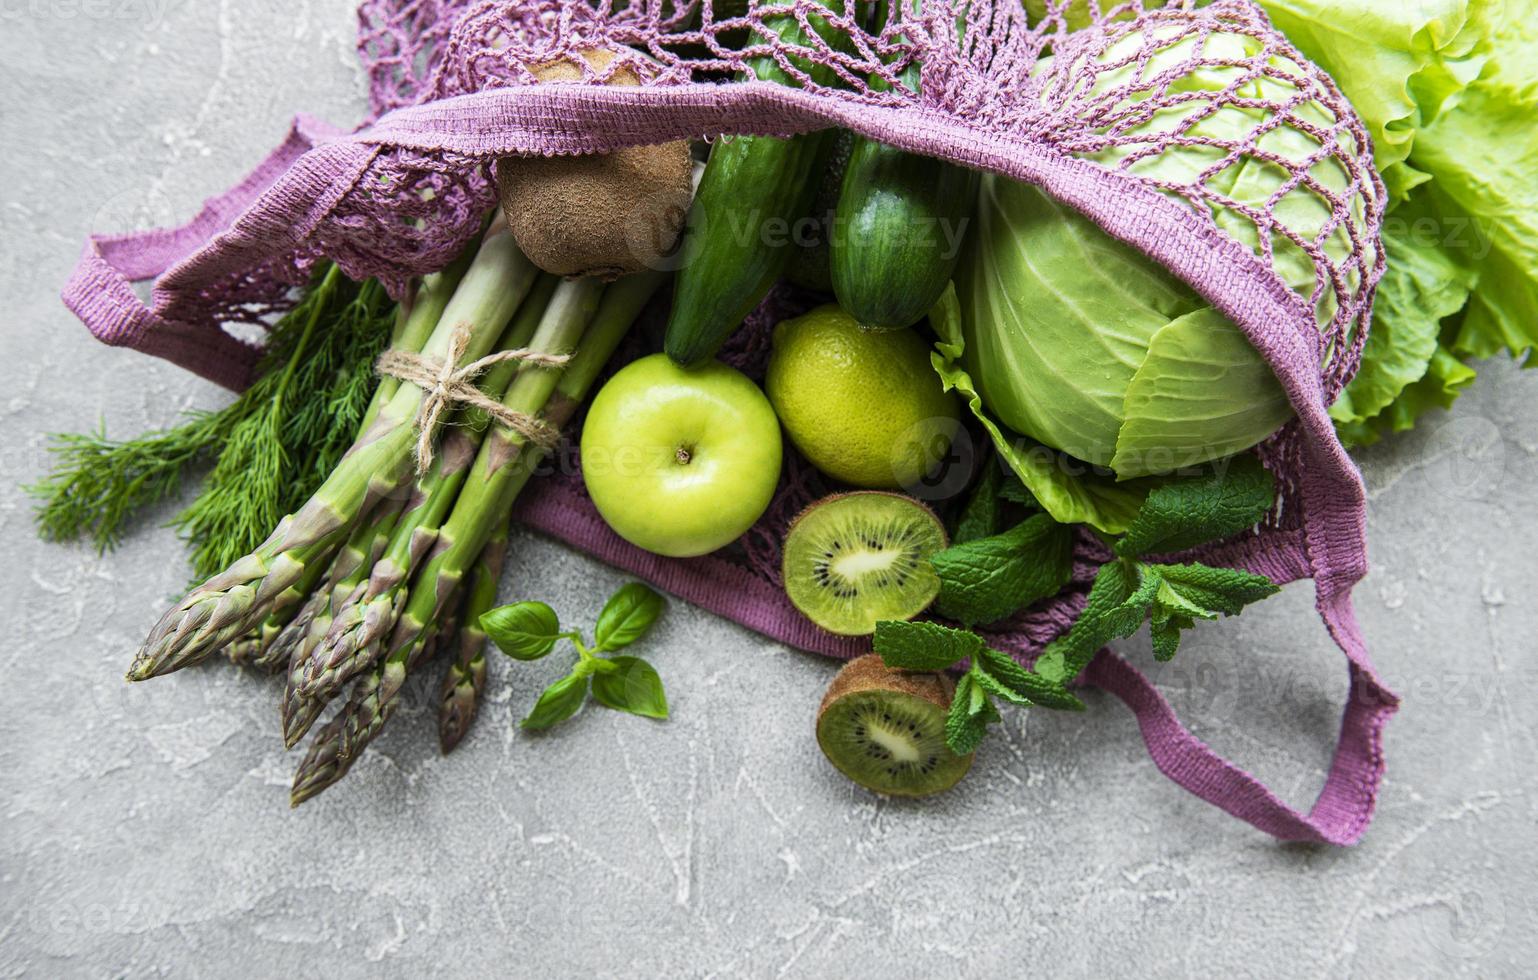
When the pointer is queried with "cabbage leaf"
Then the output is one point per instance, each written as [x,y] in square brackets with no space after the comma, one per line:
[1068,490]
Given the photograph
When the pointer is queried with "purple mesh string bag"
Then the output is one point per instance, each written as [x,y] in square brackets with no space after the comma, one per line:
[1138,118]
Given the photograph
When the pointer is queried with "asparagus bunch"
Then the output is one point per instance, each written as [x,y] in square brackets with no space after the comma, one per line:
[385,567]
[503,466]
[364,619]
[234,602]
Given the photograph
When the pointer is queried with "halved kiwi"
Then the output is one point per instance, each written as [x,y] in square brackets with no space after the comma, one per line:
[854,559]
[885,729]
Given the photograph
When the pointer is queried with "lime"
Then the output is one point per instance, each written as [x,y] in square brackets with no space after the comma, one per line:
[864,406]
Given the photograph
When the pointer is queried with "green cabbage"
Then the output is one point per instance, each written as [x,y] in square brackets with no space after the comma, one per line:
[1069,491]
[1087,346]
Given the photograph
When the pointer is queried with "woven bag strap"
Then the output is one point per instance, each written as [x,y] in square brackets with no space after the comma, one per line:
[100,289]
[1345,805]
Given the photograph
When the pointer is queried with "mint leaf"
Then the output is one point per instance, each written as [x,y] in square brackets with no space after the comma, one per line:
[559,702]
[627,616]
[985,580]
[1185,513]
[1169,602]
[1028,684]
[1166,640]
[992,685]
[633,687]
[1118,602]
[970,715]
[923,646]
[523,630]
[1016,493]
[1219,590]
[982,514]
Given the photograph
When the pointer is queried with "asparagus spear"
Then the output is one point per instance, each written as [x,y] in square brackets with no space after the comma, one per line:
[231,603]
[329,758]
[465,679]
[349,572]
[365,620]
[501,470]
[416,323]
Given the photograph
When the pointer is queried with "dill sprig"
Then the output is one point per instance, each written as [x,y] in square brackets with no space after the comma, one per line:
[274,444]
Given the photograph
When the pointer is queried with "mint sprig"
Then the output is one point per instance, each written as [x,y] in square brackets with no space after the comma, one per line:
[1185,513]
[987,576]
[530,630]
[991,674]
[1171,598]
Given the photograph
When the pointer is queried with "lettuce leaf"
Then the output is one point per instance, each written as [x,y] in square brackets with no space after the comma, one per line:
[1399,63]
[1422,286]
[1449,91]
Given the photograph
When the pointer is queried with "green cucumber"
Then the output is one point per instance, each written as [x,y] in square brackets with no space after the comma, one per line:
[898,229]
[812,236]
[737,244]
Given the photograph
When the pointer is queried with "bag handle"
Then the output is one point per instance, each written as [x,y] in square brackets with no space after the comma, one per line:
[100,289]
[1345,805]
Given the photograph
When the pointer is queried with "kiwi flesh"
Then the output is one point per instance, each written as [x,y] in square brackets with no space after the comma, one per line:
[885,729]
[598,214]
[854,559]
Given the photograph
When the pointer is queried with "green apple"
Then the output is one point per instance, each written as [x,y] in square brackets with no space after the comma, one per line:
[680,461]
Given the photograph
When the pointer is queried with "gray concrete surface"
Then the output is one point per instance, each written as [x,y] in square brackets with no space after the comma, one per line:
[146,830]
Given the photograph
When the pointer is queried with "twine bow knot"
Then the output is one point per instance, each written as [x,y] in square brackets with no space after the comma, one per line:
[448,386]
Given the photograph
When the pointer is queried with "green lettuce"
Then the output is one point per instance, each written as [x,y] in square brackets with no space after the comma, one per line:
[1448,90]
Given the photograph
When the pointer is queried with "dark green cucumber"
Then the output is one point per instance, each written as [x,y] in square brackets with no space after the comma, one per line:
[812,236]
[754,189]
[899,227]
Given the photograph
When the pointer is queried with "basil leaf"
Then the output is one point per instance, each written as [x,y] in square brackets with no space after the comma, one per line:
[923,646]
[523,630]
[1185,513]
[627,616]
[985,580]
[633,687]
[558,702]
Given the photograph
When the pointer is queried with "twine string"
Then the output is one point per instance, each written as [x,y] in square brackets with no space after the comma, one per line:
[448,386]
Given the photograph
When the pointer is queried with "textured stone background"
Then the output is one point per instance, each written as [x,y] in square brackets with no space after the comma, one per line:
[146,830]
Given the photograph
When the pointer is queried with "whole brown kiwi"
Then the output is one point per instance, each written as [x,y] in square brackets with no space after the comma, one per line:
[599,214]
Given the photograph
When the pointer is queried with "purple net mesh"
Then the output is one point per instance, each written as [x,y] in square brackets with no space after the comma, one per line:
[1193,131]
